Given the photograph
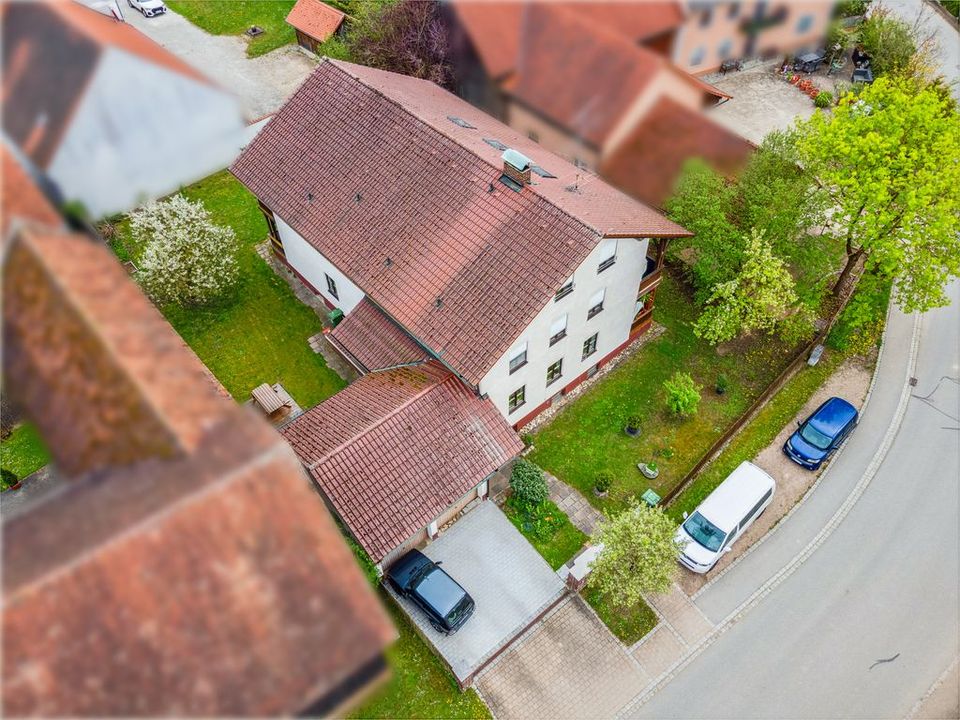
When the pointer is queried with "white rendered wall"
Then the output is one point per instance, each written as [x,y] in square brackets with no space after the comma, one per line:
[612,325]
[140,132]
[308,261]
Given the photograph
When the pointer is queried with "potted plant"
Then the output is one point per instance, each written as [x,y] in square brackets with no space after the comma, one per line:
[601,486]
[650,470]
[633,426]
[723,384]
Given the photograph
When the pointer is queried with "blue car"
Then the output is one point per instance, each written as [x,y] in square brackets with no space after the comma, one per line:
[821,433]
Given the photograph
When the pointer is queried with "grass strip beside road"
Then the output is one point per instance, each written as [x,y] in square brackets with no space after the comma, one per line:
[628,624]
[23,451]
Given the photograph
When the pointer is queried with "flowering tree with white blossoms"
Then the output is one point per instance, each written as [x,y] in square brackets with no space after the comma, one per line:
[187,258]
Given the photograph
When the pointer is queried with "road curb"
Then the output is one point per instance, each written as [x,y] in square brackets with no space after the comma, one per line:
[787,570]
[809,493]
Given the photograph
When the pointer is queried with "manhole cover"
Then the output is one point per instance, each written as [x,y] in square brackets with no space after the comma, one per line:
[913,382]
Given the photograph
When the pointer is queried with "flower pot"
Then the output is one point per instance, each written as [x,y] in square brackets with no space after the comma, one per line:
[647,472]
[632,432]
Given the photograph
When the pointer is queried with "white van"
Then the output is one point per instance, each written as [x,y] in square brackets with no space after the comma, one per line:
[723,517]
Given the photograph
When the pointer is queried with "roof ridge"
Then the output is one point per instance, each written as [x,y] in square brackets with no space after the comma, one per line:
[339,65]
[427,387]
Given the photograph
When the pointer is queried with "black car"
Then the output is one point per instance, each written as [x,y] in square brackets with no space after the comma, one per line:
[447,605]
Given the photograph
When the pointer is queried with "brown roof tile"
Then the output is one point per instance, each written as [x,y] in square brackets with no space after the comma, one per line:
[315,18]
[373,341]
[191,570]
[20,197]
[648,163]
[367,167]
[397,447]
[494,30]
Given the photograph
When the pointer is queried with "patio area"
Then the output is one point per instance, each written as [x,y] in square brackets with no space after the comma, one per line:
[509,581]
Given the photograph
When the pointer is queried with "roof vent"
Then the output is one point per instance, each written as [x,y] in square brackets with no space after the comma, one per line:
[516,166]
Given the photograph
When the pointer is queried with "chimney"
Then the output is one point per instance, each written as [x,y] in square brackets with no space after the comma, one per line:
[516,166]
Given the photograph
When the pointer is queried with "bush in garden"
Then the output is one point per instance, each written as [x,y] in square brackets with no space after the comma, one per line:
[824,99]
[8,479]
[603,482]
[683,394]
[528,483]
[187,258]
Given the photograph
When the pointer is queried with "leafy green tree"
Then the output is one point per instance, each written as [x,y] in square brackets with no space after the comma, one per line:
[890,42]
[683,394]
[888,164]
[639,555]
[756,299]
[528,483]
[701,204]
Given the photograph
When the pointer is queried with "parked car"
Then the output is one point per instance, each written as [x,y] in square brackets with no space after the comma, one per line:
[149,8]
[447,605]
[820,434]
[728,511]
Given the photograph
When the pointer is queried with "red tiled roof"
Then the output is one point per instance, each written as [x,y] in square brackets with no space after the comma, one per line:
[648,163]
[397,447]
[20,198]
[373,341]
[637,21]
[590,95]
[494,30]
[315,18]
[51,51]
[367,167]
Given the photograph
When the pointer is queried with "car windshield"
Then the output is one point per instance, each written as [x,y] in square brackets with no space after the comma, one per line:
[813,436]
[440,591]
[704,532]
[458,611]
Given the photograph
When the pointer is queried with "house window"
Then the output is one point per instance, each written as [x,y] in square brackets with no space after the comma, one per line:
[608,254]
[554,372]
[517,398]
[589,346]
[804,24]
[698,56]
[558,330]
[532,134]
[518,359]
[565,290]
[331,286]
[596,305]
[725,49]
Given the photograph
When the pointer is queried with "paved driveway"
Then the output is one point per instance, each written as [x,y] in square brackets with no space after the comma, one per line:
[510,582]
[262,84]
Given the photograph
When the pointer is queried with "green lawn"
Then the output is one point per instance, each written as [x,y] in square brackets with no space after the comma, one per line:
[23,452]
[758,433]
[233,17]
[587,437]
[420,685]
[628,625]
[259,333]
[549,530]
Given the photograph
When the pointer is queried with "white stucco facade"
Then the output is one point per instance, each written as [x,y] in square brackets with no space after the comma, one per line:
[612,327]
[141,131]
[315,268]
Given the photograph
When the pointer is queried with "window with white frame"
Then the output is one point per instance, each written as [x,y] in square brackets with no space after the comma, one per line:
[596,304]
[558,330]
[608,254]
[565,290]
[518,358]
[698,55]
[804,24]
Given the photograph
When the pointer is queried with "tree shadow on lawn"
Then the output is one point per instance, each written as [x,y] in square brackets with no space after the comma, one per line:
[587,437]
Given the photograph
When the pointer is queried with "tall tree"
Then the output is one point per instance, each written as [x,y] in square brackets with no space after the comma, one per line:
[756,299]
[406,36]
[888,164]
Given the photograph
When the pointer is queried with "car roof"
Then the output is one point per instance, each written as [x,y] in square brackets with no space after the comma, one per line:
[833,415]
[730,501]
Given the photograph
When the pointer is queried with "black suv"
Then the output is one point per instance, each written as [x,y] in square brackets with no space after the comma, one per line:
[447,605]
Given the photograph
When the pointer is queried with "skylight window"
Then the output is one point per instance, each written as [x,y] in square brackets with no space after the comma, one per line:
[495,144]
[461,122]
[542,172]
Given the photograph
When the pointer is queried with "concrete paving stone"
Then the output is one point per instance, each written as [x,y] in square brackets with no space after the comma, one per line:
[659,651]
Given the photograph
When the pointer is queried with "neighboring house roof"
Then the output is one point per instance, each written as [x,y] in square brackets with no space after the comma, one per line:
[394,449]
[315,18]
[648,163]
[584,77]
[51,51]
[20,197]
[637,21]
[373,341]
[188,567]
[367,167]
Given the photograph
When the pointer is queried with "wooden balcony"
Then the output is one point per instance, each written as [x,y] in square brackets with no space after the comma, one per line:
[650,281]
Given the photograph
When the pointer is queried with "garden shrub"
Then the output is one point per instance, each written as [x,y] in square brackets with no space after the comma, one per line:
[824,99]
[851,8]
[683,394]
[528,483]
[889,42]
[8,479]
[603,482]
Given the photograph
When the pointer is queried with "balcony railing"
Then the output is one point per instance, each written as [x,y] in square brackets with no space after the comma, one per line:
[650,281]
